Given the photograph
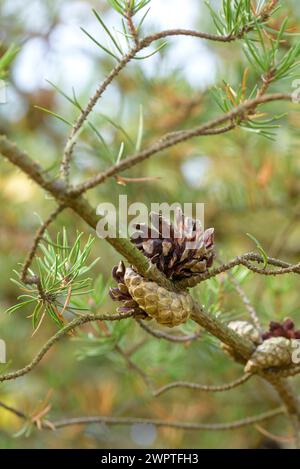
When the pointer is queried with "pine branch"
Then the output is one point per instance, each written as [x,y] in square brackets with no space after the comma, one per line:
[12,410]
[203,387]
[71,141]
[162,423]
[291,401]
[240,112]
[67,422]
[251,310]
[163,335]
[59,335]
[244,260]
[133,366]
[123,246]
[132,53]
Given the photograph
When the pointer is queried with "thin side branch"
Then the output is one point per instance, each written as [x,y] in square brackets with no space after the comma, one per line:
[163,335]
[251,310]
[203,387]
[55,425]
[291,401]
[59,335]
[244,260]
[133,366]
[12,410]
[71,142]
[162,423]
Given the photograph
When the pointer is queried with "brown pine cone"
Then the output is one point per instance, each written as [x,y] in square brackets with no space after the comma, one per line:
[167,245]
[274,352]
[247,330]
[166,307]
[121,293]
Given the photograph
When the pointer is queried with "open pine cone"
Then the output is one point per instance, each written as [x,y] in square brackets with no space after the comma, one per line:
[167,245]
[285,329]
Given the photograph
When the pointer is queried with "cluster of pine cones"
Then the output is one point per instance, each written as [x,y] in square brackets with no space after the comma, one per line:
[273,348]
[168,247]
[179,251]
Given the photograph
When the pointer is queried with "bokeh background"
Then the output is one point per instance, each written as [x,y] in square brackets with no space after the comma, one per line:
[248,184]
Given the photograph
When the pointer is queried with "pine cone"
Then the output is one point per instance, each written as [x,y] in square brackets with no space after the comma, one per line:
[285,329]
[168,308]
[121,293]
[274,352]
[167,246]
[246,330]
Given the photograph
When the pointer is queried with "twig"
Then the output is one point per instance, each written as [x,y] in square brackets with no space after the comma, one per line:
[56,337]
[133,366]
[217,131]
[244,260]
[271,436]
[131,351]
[203,387]
[296,430]
[71,142]
[14,411]
[132,29]
[291,402]
[285,270]
[163,335]
[55,425]
[251,310]
[35,419]
[162,423]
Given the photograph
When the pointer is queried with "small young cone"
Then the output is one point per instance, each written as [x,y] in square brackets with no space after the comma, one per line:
[246,330]
[166,307]
[274,352]
[285,329]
